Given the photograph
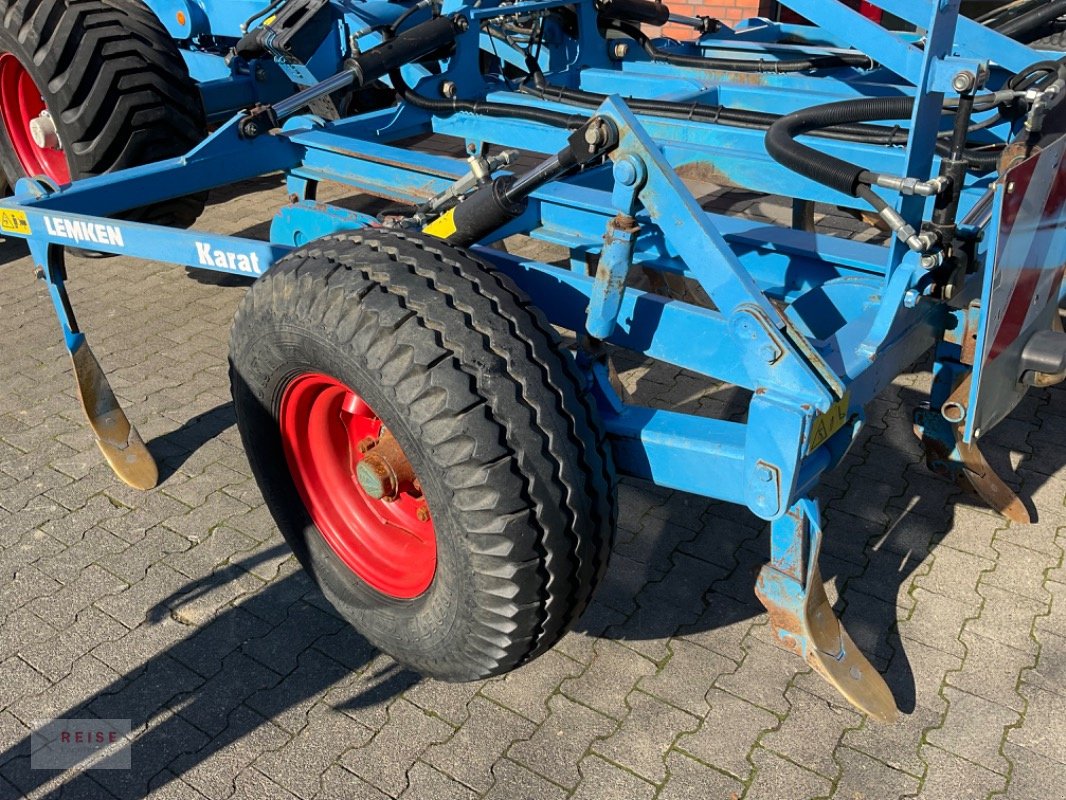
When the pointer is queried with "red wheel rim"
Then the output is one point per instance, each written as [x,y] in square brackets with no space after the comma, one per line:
[21,102]
[391,545]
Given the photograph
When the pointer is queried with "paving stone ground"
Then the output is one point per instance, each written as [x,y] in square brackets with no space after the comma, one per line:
[182,610]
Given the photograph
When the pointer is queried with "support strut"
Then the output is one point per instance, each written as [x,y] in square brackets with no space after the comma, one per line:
[115,435]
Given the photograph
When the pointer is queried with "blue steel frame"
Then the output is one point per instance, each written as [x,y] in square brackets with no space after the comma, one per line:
[813,326]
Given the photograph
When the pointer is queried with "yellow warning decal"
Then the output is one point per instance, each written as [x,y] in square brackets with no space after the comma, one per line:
[443,227]
[825,425]
[15,222]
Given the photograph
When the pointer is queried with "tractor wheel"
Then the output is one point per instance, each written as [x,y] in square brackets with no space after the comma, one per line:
[94,86]
[426,447]
[1056,41]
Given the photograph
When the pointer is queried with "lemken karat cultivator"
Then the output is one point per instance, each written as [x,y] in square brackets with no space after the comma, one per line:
[439,462]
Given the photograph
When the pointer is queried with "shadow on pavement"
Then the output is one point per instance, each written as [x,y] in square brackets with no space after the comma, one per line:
[193,717]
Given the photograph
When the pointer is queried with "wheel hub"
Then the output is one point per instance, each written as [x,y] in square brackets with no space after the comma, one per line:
[43,132]
[384,469]
[30,127]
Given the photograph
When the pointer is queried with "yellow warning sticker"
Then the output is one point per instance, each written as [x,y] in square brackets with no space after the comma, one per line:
[443,227]
[825,425]
[15,222]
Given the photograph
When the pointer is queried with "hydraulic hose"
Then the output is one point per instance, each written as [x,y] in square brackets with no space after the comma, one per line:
[739,64]
[834,172]
[499,110]
[755,120]
[1032,19]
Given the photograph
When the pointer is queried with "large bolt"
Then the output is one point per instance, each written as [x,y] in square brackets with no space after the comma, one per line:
[449,89]
[43,132]
[964,82]
[620,50]
[384,470]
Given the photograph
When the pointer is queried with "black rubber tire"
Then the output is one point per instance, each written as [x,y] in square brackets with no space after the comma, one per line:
[490,410]
[117,88]
[1057,42]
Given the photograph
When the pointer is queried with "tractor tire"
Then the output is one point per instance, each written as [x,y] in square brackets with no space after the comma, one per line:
[103,81]
[508,506]
[1056,42]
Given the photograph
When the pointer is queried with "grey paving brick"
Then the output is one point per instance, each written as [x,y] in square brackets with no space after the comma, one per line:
[866,778]
[214,769]
[426,783]
[601,780]
[254,785]
[686,677]
[485,736]
[556,748]
[950,777]
[649,730]
[728,733]
[317,679]
[991,671]
[691,779]
[1049,672]
[1044,728]
[21,628]
[1033,777]
[954,573]
[93,584]
[515,782]
[613,674]
[774,778]
[1021,571]
[974,729]
[1007,618]
[810,733]
[53,656]
[724,624]
[87,677]
[763,675]
[327,735]
[449,701]
[133,605]
[937,621]
[384,762]
[337,782]
[280,649]
[526,690]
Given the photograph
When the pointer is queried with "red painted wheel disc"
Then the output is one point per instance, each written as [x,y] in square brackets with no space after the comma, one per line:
[21,102]
[392,546]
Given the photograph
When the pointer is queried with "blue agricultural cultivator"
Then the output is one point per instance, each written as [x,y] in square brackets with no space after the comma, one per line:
[439,462]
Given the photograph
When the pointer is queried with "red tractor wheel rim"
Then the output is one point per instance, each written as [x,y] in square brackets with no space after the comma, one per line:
[21,102]
[391,545]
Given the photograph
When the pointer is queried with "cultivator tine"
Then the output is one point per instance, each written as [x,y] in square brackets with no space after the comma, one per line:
[804,622]
[948,455]
[116,437]
[978,476]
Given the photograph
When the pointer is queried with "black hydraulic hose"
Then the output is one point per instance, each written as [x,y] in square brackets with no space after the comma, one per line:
[756,120]
[1032,19]
[739,64]
[842,175]
[500,110]
[834,172]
